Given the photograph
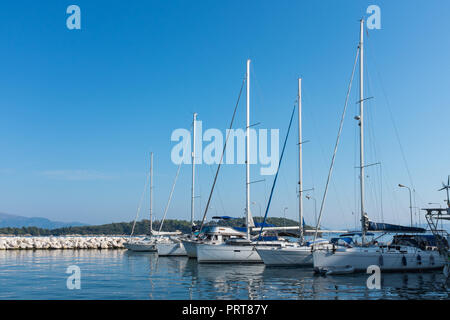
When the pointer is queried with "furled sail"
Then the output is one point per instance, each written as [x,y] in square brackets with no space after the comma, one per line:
[376,226]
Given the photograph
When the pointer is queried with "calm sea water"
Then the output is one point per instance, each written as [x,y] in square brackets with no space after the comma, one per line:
[119,274]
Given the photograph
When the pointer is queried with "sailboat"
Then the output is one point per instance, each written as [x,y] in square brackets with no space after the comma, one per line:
[358,257]
[294,253]
[209,234]
[146,244]
[238,249]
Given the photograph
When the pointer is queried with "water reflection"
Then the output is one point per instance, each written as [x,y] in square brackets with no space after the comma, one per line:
[121,274]
[231,281]
[228,280]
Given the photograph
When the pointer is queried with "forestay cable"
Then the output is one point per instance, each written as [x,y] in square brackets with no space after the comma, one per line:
[221,157]
[336,145]
[170,197]
[140,204]
[276,175]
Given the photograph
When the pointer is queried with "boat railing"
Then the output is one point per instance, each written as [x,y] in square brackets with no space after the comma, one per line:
[433,216]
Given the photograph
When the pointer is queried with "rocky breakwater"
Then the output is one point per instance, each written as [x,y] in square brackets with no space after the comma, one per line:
[67,242]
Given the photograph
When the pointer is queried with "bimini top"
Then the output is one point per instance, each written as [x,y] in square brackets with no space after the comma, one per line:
[374,226]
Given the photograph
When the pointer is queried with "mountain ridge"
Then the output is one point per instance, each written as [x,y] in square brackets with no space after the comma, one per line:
[15,221]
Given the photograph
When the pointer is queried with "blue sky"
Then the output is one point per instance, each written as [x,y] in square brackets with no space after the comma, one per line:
[82,109]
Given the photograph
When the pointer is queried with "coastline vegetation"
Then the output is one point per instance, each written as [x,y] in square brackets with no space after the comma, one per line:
[141,228]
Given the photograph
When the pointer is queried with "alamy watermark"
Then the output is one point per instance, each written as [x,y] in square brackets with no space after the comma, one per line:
[74,280]
[374,280]
[264,147]
[374,20]
[74,20]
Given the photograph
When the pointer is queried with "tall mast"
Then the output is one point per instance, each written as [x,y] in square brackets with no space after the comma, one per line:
[193,169]
[151,192]
[300,173]
[247,158]
[361,126]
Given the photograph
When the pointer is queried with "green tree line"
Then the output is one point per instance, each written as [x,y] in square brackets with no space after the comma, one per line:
[141,228]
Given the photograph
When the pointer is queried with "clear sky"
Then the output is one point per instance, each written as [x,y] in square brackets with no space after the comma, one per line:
[80,110]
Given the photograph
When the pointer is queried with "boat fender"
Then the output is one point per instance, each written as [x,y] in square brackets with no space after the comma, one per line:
[432,260]
[404,261]
[380,260]
[419,260]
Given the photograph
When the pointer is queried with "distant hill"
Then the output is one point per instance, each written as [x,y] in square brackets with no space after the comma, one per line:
[13,221]
[124,228]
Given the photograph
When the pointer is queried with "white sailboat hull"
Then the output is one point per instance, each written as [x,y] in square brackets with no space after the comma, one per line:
[140,246]
[191,248]
[223,253]
[299,256]
[361,258]
[171,249]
